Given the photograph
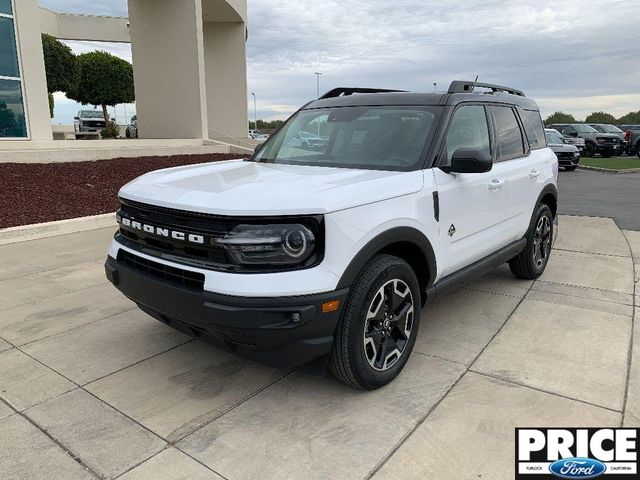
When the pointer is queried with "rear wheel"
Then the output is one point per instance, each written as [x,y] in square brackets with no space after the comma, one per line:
[376,335]
[533,260]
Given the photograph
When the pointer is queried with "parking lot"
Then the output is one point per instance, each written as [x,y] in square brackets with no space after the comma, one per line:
[90,387]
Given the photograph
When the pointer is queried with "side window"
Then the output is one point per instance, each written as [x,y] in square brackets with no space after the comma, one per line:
[510,143]
[468,128]
[534,128]
[569,131]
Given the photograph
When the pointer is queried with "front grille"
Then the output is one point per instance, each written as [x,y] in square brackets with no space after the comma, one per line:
[190,238]
[564,155]
[206,254]
[174,276]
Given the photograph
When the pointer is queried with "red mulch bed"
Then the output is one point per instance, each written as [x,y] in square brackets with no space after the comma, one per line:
[43,192]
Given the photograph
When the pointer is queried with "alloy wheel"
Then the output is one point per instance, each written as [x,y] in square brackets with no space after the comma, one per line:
[388,324]
[542,242]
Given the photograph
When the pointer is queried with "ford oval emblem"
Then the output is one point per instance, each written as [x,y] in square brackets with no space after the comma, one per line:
[577,468]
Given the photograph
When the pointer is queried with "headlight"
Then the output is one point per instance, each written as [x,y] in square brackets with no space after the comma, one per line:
[286,244]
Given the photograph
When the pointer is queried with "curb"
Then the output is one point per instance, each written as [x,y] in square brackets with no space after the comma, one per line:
[36,231]
[608,170]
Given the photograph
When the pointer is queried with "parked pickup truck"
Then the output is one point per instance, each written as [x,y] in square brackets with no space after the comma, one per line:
[294,255]
[606,144]
[89,121]
[632,134]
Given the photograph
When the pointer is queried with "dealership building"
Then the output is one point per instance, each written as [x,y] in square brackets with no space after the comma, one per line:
[188,58]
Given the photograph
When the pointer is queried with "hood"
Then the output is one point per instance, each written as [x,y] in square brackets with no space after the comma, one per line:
[563,147]
[238,187]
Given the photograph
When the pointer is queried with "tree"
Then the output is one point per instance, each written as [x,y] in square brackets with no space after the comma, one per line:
[630,118]
[560,117]
[103,79]
[601,117]
[60,65]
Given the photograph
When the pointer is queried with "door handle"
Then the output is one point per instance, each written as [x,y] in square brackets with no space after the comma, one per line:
[534,174]
[496,184]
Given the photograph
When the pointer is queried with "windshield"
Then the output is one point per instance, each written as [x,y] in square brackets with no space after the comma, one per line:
[610,129]
[382,138]
[553,137]
[585,129]
[91,114]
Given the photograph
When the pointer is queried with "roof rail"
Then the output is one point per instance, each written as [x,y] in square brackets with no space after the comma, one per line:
[463,86]
[343,91]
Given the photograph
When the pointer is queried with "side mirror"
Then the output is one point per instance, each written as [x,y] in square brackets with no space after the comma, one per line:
[469,160]
[573,134]
[76,118]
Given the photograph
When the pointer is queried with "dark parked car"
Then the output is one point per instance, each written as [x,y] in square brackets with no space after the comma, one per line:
[568,155]
[632,135]
[608,128]
[606,144]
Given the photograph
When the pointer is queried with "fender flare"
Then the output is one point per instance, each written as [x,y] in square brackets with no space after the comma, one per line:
[383,240]
[548,189]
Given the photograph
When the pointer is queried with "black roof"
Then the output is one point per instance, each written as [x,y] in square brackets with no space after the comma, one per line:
[343,97]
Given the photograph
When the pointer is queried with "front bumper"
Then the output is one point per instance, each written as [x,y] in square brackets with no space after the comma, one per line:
[280,331]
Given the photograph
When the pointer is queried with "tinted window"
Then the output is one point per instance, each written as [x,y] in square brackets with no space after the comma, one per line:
[5,6]
[8,54]
[467,129]
[12,121]
[568,130]
[534,128]
[508,134]
[585,129]
[383,138]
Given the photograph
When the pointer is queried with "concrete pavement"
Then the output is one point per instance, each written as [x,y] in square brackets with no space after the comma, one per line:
[92,388]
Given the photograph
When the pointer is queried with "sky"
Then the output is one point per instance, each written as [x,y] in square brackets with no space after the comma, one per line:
[576,56]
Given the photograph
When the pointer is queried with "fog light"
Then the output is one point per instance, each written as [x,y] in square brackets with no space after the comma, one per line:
[332,306]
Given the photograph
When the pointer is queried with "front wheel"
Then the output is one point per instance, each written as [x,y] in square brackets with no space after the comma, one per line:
[530,264]
[571,168]
[589,150]
[377,332]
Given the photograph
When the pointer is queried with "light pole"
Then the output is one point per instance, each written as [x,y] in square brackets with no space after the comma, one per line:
[318,74]
[255,112]
[435,86]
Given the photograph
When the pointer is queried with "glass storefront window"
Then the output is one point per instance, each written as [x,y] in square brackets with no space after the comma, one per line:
[12,120]
[5,7]
[8,52]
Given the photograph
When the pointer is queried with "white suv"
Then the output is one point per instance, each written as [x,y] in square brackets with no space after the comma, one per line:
[331,252]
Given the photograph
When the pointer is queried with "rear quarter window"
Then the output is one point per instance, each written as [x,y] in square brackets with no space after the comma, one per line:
[533,128]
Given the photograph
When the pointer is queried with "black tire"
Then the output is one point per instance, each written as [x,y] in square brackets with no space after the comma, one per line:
[530,264]
[127,133]
[589,150]
[354,359]
[571,168]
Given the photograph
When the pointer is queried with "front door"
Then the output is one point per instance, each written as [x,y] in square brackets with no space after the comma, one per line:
[472,205]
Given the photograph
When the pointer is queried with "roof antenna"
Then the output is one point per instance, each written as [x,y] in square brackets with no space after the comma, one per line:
[474,83]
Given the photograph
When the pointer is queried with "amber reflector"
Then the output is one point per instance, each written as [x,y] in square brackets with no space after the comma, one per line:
[331,306]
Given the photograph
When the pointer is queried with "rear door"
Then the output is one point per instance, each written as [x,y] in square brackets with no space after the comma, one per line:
[472,205]
[522,164]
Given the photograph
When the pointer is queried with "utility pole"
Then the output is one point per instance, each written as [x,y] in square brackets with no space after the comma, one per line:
[435,86]
[317,74]
[255,112]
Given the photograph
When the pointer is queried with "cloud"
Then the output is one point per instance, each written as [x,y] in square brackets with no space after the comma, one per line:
[574,55]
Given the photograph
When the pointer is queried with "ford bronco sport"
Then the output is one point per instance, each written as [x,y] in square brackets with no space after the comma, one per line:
[331,252]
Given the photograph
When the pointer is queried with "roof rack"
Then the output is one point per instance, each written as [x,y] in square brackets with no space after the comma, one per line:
[463,86]
[343,91]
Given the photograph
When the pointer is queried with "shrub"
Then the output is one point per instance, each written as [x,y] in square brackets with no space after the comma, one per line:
[112,131]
